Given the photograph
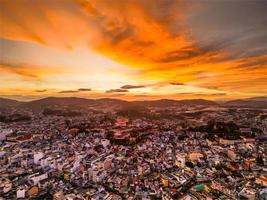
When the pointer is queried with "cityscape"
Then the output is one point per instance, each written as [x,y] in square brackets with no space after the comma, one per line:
[113,149]
[133,100]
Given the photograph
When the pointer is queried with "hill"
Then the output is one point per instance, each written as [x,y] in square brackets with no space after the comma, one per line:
[5,103]
[79,103]
[57,102]
[255,102]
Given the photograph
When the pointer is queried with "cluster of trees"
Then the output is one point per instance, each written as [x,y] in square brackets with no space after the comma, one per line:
[227,130]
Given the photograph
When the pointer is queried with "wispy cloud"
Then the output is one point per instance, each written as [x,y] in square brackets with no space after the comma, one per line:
[27,71]
[80,90]
[40,90]
[116,91]
[177,83]
[84,89]
[68,91]
[127,87]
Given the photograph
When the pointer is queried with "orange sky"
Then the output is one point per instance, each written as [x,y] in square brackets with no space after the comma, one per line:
[133,49]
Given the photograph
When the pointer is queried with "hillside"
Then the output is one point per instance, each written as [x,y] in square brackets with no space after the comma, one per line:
[79,103]
[256,102]
[4,103]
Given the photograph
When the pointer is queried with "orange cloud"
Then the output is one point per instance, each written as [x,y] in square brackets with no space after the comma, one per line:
[28,71]
[158,38]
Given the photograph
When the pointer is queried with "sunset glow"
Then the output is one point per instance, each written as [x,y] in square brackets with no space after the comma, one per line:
[134,49]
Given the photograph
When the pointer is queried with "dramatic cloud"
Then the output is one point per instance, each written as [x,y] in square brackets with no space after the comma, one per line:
[127,87]
[213,45]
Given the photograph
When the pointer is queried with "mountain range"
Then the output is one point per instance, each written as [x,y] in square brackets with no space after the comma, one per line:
[256,102]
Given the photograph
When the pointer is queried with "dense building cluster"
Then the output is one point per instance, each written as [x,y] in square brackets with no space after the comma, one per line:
[176,153]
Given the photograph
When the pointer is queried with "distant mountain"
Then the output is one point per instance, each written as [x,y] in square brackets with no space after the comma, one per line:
[57,102]
[81,102]
[255,102]
[76,102]
[6,103]
[262,98]
[71,102]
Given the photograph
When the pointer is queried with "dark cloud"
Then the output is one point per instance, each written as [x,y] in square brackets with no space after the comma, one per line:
[228,16]
[254,63]
[177,83]
[120,34]
[76,91]
[127,87]
[179,55]
[68,91]
[243,44]
[116,91]
[236,28]
[84,89]
[40,90]
[169,13]
[193,53]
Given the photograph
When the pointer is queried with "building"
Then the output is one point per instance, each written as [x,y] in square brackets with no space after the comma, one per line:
[21,193]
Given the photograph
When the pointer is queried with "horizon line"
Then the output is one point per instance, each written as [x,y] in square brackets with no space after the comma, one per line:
[116,98]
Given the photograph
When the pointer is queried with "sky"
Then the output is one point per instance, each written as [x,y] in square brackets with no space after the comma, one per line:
[134,49]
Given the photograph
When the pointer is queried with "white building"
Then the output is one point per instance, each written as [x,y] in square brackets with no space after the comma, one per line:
[105,143]
[180,160]
[37,156]
[21,193]
[48,162]
[36,178]
[4,133]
